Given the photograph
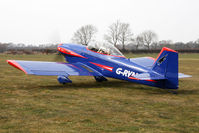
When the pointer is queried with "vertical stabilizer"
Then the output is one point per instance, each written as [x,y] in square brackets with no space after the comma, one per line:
[166,64]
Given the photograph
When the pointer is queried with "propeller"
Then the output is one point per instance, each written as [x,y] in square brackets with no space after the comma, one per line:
[59,57]
[55,38]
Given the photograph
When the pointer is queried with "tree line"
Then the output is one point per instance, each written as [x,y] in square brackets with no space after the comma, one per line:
[118,34]
[21,48]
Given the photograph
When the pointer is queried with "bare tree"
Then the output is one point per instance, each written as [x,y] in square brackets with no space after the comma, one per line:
[3,47]
[125,35]
[197,41]
[165,43]
[149,37]
[84,35]
[113,33]
[139,41]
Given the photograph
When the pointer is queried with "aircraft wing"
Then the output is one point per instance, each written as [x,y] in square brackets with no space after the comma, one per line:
[143,61]
[54,68]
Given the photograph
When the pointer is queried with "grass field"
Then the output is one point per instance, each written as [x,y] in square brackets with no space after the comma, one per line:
[40,104]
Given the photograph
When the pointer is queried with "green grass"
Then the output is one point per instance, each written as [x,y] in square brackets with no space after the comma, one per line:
[40,104]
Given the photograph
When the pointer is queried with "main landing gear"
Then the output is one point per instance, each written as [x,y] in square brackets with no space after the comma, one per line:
[100,78]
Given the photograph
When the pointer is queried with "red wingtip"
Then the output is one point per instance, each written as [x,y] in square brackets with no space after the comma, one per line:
[16,65]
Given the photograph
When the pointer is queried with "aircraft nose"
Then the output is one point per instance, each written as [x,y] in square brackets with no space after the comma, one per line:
[64,49]
[63,46]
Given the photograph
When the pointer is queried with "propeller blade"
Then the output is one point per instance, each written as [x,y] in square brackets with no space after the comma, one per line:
[59,57]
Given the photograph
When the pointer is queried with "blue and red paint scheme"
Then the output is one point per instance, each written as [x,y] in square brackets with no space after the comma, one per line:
[161,72]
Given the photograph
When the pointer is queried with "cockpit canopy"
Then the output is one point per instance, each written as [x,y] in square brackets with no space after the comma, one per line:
[105,49]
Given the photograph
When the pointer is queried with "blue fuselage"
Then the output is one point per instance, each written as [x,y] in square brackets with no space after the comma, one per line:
[109,66]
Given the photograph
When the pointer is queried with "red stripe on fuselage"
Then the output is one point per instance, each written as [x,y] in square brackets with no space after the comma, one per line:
[134,78]
[144,80]
[69,52]
[151,80]
[103,66]
[16,65]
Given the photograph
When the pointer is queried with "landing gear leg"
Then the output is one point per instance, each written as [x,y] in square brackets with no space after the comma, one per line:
[63,80]
[100,78]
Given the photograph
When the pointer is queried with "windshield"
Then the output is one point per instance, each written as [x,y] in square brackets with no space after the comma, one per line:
[105,49]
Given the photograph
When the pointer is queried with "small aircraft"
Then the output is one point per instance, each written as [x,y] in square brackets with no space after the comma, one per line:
[101,61]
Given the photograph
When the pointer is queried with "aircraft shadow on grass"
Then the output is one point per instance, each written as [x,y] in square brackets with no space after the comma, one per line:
[89,85]
[117,84]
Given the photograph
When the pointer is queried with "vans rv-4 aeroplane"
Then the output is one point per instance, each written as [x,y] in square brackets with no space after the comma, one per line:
[107,61]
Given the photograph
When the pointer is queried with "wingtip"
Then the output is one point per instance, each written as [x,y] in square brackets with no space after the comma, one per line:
[16,65]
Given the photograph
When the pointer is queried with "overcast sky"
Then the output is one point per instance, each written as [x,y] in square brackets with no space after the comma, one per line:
[46,21]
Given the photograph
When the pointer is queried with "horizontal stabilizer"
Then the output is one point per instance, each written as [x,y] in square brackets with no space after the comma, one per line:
[143,61]
[147,76]
[181,75]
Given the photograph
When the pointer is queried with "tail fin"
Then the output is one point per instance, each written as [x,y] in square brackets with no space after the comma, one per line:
[166,64]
